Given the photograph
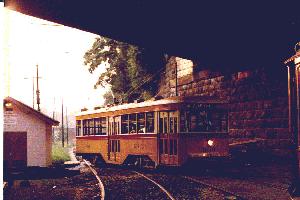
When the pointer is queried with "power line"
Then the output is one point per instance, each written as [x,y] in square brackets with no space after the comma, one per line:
[145,81]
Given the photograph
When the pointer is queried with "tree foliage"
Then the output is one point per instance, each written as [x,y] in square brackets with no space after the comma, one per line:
[132,72]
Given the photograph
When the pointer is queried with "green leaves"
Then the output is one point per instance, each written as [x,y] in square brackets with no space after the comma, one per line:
[130,71]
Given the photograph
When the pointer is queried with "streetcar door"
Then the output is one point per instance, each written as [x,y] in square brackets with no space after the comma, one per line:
[111,131]
[113,142]
[168,143]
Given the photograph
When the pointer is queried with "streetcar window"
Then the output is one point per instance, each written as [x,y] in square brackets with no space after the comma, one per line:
[141,123]
[100,126]
[124,124]
[204,118]
[150,122]
[116,125]
[97,124]
[103,126]
[171,124]
[78,127]
[163,122]
[175,124]
[165,125]
[183,122]
[91,127]
[132,123]
[85,127]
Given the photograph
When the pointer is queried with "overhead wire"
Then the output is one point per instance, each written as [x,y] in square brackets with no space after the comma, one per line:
[130,91]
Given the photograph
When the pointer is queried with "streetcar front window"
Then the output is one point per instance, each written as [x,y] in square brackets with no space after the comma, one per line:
[203,118]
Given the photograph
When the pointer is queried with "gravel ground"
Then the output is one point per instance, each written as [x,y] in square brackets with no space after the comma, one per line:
[261,182]
[182,188]
[254,182]
[83,187]
[124,184]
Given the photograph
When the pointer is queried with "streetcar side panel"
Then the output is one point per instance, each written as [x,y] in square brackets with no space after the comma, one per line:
[132,146]
[91,145]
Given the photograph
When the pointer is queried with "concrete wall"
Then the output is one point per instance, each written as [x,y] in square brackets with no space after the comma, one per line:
[38,136]
[258,106]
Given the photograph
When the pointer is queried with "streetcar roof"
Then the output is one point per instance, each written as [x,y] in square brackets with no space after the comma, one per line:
[151,103]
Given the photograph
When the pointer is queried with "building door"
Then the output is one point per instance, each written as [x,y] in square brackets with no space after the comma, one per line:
[15,149]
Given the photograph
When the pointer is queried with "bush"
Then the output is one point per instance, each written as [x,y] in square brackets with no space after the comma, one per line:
[59,154]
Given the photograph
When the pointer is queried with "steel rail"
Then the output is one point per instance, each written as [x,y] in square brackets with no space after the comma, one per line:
[101,186]
[214,187]
[157,184]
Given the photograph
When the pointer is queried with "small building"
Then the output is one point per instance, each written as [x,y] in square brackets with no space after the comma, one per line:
[27,135]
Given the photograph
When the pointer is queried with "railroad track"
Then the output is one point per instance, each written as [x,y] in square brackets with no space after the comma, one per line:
[129,184]
[154,182]
[101,186]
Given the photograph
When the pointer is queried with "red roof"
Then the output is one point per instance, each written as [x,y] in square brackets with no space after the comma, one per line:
[27,109]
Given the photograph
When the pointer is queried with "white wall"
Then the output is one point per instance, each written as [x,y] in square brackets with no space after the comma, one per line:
[37,149]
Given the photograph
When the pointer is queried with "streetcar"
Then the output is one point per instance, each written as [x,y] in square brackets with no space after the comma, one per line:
[158,132]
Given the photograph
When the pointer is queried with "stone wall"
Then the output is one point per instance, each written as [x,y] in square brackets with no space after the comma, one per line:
[258,106]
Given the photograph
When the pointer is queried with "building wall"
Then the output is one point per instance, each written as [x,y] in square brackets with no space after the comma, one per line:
[48,144]
[38,142]
[258,106]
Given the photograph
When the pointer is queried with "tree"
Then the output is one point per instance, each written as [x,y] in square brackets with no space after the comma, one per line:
[131,72]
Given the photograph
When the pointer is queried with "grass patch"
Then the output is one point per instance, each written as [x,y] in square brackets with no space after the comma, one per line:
[59,154]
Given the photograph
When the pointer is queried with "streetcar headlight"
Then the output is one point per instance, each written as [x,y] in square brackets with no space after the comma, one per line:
[210,142]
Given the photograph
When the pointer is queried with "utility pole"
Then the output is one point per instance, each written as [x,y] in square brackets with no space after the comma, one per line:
[37,88]
[67,126]
[62,124]
[53,117]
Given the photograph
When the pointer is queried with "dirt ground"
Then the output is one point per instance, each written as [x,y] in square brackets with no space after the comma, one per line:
[69,187]
[264,181]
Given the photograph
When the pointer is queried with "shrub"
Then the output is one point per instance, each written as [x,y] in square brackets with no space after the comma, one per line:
[59,154]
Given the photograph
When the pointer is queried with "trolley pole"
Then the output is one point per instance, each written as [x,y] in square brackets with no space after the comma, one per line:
[293,104]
